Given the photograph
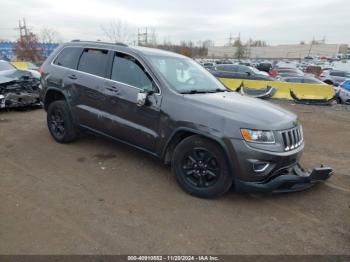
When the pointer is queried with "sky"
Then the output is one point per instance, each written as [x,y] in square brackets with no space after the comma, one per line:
[275,21]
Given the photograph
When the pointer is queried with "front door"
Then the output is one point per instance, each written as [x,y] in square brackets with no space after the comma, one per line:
[134,124]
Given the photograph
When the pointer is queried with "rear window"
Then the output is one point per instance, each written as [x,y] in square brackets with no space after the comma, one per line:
[68,57]
[94,61]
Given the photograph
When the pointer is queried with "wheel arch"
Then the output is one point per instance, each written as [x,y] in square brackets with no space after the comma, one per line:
[52,95]
[182,133]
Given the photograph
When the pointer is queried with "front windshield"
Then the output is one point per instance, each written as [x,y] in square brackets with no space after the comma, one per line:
[184,75]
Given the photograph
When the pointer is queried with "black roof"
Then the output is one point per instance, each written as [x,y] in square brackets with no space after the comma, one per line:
[107,43]
[123,47]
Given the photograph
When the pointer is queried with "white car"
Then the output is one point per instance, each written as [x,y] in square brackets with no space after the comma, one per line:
[343,92]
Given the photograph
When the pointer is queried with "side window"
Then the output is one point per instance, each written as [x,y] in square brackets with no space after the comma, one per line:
[229,68]
[94,61]
[224,68]
[337,73]
[126,69]
[309,81]
[243,69]
[295,80]
[234,68]
[68,57]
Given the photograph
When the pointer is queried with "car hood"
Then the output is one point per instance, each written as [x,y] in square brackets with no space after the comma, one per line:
[7,76]
[247,111]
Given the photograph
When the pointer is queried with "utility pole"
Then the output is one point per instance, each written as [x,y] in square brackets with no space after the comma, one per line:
[311,44]
[22,27]
[231,39]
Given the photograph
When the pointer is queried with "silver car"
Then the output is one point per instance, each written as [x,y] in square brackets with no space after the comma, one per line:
[334,77]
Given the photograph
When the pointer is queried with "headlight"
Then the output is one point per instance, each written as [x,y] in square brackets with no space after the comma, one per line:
[258,136]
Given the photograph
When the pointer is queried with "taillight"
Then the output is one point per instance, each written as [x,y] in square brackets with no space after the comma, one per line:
[273,73]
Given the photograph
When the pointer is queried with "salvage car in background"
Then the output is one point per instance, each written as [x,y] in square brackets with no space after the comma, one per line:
[4,65]
[18,88]
[334,77]
[343,93]
[239,72]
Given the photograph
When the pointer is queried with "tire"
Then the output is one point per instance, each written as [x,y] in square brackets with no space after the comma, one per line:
[60,122]
[339,101]
[194,162]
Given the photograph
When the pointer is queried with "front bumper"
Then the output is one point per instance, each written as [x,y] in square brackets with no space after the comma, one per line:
[294,179]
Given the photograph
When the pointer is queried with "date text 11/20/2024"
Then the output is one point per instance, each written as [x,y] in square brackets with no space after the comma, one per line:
[173,258]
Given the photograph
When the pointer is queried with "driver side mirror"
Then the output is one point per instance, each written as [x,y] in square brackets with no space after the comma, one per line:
[142,97]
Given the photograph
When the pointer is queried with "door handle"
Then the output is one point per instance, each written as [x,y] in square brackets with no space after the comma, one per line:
[113,89]
[73,77]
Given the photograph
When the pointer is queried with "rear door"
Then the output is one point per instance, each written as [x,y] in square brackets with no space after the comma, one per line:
[246,73]
[87,84]
[137,125]
[65,61]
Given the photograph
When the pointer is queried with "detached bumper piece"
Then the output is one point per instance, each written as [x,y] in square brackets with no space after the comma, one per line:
[291,180]
[318,102]
[264,93]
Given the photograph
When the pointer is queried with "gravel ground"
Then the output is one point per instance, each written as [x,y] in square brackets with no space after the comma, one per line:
[96,196]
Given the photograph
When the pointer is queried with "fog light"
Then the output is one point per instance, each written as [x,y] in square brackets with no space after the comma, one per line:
[260,166]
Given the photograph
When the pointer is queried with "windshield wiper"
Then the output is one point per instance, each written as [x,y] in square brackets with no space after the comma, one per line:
[217,90]
[194,91]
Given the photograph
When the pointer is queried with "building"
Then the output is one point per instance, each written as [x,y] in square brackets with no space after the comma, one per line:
[7,50]
[281,51]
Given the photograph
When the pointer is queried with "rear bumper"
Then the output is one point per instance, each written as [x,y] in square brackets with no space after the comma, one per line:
[296,179]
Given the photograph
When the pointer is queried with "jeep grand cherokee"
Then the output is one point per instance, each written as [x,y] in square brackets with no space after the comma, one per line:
[169,106]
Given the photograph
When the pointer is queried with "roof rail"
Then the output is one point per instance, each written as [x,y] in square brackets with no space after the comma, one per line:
[100,42]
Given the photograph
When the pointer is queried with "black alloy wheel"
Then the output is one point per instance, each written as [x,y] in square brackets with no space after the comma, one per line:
[60,123]
[56,123]
[201,168]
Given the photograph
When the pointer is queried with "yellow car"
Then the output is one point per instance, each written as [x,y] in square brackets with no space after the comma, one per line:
[25,65]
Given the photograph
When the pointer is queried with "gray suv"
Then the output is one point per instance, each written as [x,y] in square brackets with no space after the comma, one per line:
[170,107]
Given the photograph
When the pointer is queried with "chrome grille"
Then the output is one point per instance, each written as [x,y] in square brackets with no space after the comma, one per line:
[292,138]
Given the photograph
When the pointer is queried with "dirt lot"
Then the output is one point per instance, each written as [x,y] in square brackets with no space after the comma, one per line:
[100,197]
